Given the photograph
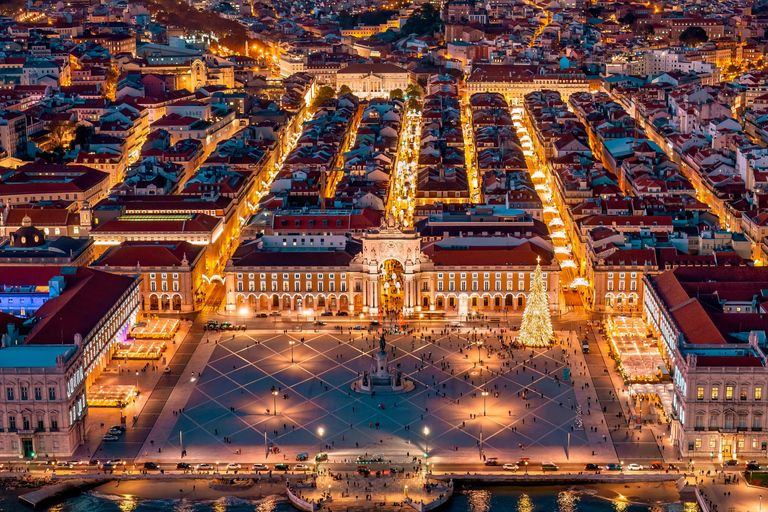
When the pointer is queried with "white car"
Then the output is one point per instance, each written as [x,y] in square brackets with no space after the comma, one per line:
[233,465]
[300,467]
[109,438]
[634,467]
[203,467]
[510,467]
[259,467]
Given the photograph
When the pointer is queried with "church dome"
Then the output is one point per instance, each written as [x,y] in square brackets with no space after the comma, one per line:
[27,235]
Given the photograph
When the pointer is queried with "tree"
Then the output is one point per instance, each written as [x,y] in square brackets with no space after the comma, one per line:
[628,19]
[413,91]
[396,94]
[455,73]
[344,89]
[324,94]
[647,29]
[83,136]
[424,20]
[693,37]
[414,104]
[61,133]
[536,328]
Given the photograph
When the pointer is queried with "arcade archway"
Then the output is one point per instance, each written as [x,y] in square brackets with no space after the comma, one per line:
[391,285]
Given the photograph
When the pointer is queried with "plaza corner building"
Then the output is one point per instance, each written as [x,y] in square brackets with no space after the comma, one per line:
[712,324]
[50,357]
[390,269]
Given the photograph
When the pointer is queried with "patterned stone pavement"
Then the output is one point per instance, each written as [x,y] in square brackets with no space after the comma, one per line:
[232,407]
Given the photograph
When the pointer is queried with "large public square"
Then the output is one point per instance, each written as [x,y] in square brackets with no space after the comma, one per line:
[271,392]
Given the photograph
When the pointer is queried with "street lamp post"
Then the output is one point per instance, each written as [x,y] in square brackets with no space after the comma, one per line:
[485,394]
[274,401]
[291,343]
[479,344]
[426,442]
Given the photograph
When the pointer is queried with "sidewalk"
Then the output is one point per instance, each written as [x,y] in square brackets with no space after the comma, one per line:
[161,430]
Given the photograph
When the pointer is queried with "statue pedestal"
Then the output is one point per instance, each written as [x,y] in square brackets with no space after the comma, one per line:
[382,379]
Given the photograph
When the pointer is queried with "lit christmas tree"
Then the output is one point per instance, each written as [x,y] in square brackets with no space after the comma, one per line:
[536,329]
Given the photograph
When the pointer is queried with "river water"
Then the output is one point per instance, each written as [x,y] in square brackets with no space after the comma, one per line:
[496,499]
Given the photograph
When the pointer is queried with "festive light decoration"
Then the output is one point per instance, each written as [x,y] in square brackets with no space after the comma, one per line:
[536,329]
[569,264]
[557,221]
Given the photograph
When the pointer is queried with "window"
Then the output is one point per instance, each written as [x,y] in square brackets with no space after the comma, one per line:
[729,392]
[439,286]
[164,286]
[700,393]
[758,393]
[520,285]
[240,276]
[51,393]
[463,286]
[756,423]
[152,286]
[743,393]
[297,286]
[9,393]
[698,442]
[24,395]
[54,424]
[633,286]
[12,423]
[176,286]
[474,285]
[610,286]
[509,286]
[715,393]
[38,394]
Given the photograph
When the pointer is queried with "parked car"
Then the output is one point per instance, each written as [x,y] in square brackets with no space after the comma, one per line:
[591,467]
[151,465]
[753,465]
[510,467]
[107,466]
[109,437]
[121,428]
[613,467]
[260,467]
[94,462]
[342,313]
[115,460]
[63,464]
[233,466]
[203,467]
[374,322]
[183,465]
[326,313]
[657,465]
[115,431]
[358,327]
[261,315]
[282,467]
[274,313]
[300,467]
[635,467]
[319,323]
[731,462]
[491,461]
